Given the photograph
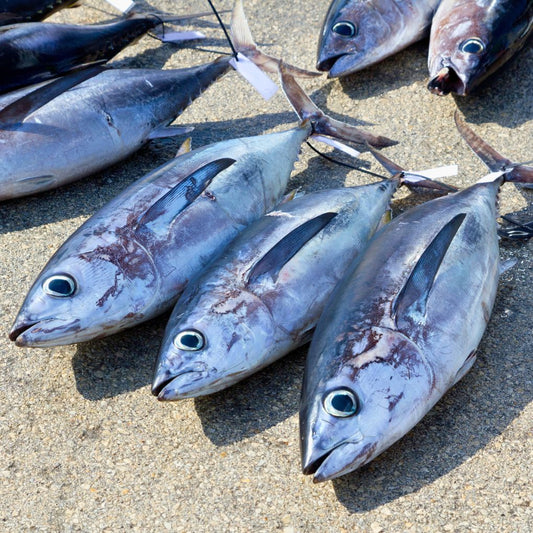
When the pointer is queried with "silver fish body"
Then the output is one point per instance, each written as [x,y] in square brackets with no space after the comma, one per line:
[262,297]
[94,125]
[131,260]
[470,39]
[358,33]
[400,330]
[33,52]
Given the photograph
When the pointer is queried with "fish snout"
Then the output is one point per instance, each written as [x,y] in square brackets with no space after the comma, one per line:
[447,81]
[176,384]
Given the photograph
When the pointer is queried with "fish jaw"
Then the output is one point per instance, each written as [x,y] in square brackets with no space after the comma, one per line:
[43,333]
[168,386]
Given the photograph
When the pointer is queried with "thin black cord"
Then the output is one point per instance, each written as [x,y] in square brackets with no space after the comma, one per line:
[223,29]
[342,164]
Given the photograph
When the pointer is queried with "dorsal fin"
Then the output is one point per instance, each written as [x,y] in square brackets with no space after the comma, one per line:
[18,110]
[169,206]
[274,260]
[413,297]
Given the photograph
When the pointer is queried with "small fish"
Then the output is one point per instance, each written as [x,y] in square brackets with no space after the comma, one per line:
[15,11]
[33,52]
[402,327]
[360,33]
[470,39]
[262,297]
[132,259]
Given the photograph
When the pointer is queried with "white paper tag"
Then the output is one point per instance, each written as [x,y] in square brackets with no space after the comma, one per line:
[439,172]
[254,75]
[122,5]
[492,176]
[179,36]
[337,144]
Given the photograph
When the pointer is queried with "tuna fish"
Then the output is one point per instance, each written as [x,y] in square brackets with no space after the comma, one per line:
[402,327]
[51,136]
[470,39]
[33,52]
[133,258]
[263,296]
[360,33]
[14,11]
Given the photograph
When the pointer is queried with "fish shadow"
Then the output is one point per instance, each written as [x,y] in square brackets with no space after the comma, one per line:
[120,363]
[473,413]
[402,69]
[255,404]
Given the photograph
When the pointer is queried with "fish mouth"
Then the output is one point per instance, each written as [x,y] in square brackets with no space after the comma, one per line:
[337,65]
[180,385]
[447,81]
[337,461]
[43,333]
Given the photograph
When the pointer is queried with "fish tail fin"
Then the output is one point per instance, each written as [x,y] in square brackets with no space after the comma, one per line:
[243,42]
[515,172]
[322,123]
[412,180]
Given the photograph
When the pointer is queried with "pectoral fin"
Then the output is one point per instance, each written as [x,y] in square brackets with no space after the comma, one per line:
[413,297]
[169,131]
[160,216]
[274,260]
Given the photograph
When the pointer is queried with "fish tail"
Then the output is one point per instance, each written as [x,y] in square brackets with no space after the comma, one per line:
[243,42]
[322,123]
[514,172]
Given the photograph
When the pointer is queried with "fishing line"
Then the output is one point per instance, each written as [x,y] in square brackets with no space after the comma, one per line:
[223,29]
[347,165]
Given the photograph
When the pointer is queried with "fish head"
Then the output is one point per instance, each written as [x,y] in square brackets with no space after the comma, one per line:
[212,344]
[360,401]
[460,52]
[352,38]
[85,295]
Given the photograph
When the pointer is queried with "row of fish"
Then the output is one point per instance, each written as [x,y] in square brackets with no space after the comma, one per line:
[250,288]
[386,345]
[468,39]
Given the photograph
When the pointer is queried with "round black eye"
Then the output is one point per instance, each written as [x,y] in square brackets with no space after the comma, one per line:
[472,46]
[341,403]
[344,28]
[189,340]
[59,285]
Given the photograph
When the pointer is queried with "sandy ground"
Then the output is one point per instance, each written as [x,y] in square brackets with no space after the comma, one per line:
[84,445]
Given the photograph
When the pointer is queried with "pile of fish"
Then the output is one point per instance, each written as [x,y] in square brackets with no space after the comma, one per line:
[468,39]
[251,272]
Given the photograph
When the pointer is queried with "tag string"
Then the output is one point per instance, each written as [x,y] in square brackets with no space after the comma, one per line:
[342,164]
[223,29]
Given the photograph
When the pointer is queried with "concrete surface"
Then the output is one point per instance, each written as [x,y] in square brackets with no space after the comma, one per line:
[84,445]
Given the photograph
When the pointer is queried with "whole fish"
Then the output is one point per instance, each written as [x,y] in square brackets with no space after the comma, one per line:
[262,297]
[132,259]
[14,11]
[94,124]
[402,327]
[360,33]
[470,39]
[33,52]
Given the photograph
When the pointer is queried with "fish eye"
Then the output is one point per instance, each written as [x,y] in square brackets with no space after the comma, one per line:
[189,340]
[344,28]
[472,46]
[59,285]
[341,403]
